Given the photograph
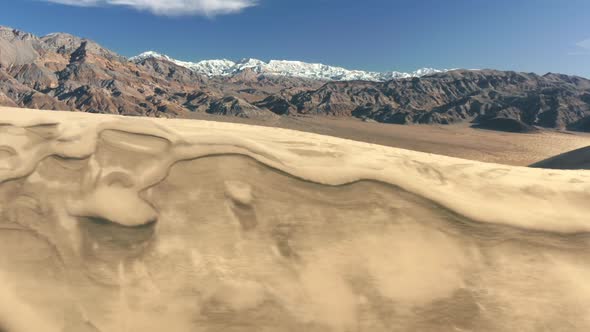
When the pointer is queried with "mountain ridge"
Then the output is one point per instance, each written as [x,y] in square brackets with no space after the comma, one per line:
[65,72]
[288,68]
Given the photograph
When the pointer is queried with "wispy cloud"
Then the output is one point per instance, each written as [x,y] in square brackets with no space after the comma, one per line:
[585,44]
[170,7]
[583,48]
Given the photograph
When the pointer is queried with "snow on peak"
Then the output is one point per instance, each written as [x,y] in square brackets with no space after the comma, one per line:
[426,71]
[149,55]
[221,67]
[286,68]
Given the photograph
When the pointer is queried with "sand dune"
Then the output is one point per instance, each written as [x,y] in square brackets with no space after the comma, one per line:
[457,140]
[575,159]
[135,224]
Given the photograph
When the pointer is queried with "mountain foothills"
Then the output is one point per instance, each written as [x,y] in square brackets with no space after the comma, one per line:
[63,72]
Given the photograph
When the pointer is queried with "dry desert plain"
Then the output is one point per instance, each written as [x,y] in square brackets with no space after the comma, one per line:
[119,224]
[457,140]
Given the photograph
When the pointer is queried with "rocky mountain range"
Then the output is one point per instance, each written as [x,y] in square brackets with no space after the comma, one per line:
[65,72]
[551,100]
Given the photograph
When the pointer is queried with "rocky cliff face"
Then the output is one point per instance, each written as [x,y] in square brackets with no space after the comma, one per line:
[64,72]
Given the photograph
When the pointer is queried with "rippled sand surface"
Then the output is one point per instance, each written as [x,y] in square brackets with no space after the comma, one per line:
[132,224]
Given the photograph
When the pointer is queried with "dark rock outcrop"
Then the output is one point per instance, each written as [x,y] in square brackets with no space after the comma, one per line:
[277,105]
[236,107]
[506,124]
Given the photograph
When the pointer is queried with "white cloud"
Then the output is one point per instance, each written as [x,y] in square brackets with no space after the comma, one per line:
[170,7]
[585,44]
[582,48]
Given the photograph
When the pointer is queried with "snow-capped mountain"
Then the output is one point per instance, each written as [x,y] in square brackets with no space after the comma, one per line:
[286,68]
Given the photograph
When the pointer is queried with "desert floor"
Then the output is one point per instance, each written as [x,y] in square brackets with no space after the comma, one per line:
[459,140]
[119,224]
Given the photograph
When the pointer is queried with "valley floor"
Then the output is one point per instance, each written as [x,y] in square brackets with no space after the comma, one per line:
[459,140]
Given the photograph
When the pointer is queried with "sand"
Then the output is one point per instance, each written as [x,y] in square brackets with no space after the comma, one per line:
[576,159]
[457,140]
[135,224]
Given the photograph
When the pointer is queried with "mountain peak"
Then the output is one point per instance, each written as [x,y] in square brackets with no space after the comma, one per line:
[66,43]
[11,33]
[60,34]
[148,55]
[287,68]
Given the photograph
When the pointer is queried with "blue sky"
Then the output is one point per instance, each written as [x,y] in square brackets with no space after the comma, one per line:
[524,35]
